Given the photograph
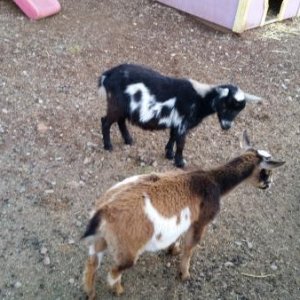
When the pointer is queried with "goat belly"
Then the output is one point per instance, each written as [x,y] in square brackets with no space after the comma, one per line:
[152,124]
[166,230]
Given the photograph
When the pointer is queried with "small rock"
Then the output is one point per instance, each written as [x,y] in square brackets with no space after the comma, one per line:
[46,260]
[43,250]
[229,264]
[71,280]
[250,245]
[142,164]
[4,110]
[49,191]
[87,160]
[78,223]
[154,164]
[42,127]
[18,284]
[238,243]
[91,145]
[71,242]
[274,267]
[168,265]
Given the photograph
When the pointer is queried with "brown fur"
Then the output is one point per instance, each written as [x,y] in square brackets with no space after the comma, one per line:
[126,229]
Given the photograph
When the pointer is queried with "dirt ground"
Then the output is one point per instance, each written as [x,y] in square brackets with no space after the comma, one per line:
[53,165]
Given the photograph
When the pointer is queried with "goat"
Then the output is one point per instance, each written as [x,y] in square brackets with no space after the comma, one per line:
[151,212]
[153,101]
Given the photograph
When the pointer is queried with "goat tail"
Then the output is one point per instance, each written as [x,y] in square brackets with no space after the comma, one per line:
[101,87]
[93,225]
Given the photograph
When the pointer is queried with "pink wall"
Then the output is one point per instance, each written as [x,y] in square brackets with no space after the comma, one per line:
[292,9]
[255,13]
[221,12]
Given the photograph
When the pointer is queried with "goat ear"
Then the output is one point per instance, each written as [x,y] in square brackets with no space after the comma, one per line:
[245,142]
[252,98]
[271,164]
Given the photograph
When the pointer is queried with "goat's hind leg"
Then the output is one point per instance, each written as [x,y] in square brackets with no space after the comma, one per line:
[114,276]
[105,126]
[124,131]
[91,266]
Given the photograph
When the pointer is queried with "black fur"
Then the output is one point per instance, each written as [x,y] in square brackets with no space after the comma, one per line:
[93,225]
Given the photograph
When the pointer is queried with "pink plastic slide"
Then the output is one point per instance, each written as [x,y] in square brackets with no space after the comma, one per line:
[37,9]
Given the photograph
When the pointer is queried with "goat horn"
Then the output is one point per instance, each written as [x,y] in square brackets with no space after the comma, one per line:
[252,98]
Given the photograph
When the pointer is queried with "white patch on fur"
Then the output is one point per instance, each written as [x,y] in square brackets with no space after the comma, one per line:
[149,108]
[102,92]
[128,180]
[112,281]
[91,250]
[91,214]
[173,119]
[264,153]
[100,257]
[201,88]
[168,228]
[239,95]
[223,92]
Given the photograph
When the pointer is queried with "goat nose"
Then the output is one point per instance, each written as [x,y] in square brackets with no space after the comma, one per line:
[225,124]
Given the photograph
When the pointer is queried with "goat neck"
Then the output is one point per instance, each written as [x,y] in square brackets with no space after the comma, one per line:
[230,175]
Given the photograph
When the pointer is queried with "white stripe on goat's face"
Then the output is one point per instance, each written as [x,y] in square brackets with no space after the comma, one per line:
[149,108]
[166,230]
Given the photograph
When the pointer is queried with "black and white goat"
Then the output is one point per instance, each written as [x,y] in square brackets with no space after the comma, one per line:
[154,101]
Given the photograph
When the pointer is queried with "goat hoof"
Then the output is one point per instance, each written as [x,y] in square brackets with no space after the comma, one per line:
[119,290]
[185,276]
[108,147]
[173,250]
[180,163]
[169,155]
[128,141]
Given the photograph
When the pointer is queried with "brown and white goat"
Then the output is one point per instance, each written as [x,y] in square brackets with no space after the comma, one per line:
[151,212]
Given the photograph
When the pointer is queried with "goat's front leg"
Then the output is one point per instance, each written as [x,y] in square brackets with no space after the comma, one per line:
[170,145]
[180,142]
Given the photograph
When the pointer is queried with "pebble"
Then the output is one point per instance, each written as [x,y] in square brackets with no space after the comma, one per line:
[49,191]
[78,223]
[238,243]
[43,250]
[4,110]
[87,160]
[250,245]
[229,264]
[154,164]
[274,267]
[71,280]
[91,145]
[71,242]
[168,265]
[46,260]
[42,127]
[18,284]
